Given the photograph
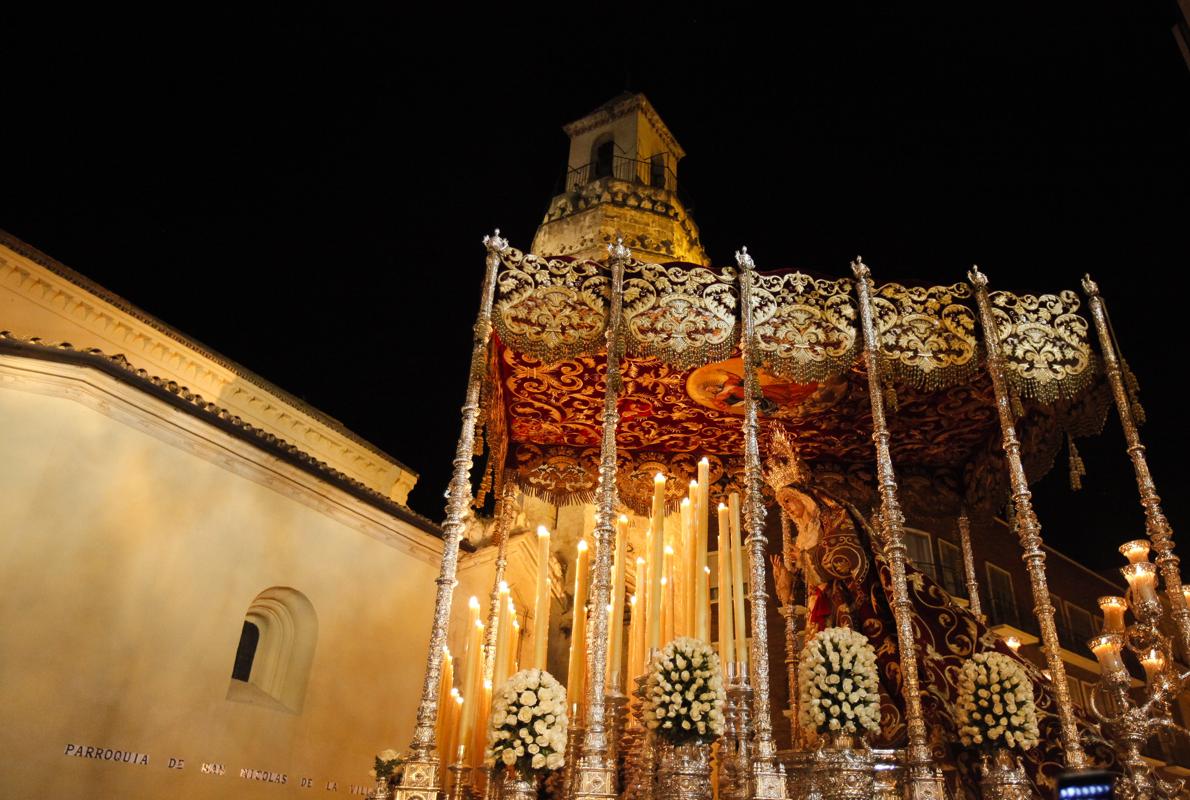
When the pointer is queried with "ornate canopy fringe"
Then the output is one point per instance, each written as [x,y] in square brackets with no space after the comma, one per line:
[683,389]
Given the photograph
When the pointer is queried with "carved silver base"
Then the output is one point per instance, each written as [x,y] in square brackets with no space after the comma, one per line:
[1002,778]
[460,781]
[596,778]
[843,770]
[574,746]
[382,790]
[420,781]
[768,780]
[511,785]
[924,782]
[684,771]
[735,748]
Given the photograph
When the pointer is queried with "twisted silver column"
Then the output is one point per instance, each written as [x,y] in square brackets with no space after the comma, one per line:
[596,771]
[1156,525]
[923,779]
[422,777]
[1028,528]
[768,780]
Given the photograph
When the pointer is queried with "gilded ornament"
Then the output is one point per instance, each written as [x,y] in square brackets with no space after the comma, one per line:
[804,326]
[682,314]
[552,308]
[926,335]
[1044,349]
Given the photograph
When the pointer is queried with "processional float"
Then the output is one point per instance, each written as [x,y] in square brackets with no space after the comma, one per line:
[597,380]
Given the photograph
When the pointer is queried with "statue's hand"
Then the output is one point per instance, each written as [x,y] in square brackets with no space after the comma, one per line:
[783,580]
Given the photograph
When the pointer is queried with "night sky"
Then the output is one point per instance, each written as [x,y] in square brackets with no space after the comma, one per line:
[306,191]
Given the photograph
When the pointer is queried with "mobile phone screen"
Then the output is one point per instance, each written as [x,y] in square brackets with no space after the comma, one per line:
[1086,785]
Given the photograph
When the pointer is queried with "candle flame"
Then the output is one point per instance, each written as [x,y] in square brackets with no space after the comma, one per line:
[663,580]
[503,586]
[705,460]
[632,600]
[624,518]
[543,532]
[685,503]
[669,551]
[658,478]
[609,608]
[640,561]
[582,545]
[474,602]
[707,570]
[694,485]
[487,685]
[479,624]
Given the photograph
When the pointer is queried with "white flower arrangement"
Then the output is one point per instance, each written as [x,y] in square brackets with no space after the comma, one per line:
[995,703]
[684,694]
[837,676]
[527,726]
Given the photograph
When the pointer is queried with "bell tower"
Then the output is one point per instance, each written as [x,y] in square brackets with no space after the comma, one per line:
[621,177]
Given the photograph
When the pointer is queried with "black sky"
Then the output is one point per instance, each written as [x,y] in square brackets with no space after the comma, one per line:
[305,190]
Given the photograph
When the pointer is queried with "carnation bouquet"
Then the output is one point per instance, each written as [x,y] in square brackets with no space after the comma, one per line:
[527,727]
[837,675]
[684,693]
[995,703]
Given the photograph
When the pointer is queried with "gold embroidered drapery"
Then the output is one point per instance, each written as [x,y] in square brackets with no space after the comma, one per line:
[683,391]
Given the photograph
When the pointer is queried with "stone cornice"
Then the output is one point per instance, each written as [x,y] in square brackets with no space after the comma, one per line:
[195,405]
[619,107]
[112,322]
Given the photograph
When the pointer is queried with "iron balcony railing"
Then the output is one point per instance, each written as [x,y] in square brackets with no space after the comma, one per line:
[642,173]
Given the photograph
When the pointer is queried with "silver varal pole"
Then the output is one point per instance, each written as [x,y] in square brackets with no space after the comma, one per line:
[768,778]
[923,779]
[969,564]
[1156,525]
[422,779]
[596,772]
[1028,528]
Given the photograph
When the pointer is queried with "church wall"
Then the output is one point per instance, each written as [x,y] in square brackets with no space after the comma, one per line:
[133,538]
[56,306]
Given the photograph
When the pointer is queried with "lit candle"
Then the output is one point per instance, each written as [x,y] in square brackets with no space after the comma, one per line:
[541,612]
[726,650]
[737,583]
[1135,551]
[1142,580]
[514,652]
[454,710]
[705,583]
[1113,609]
[1107,650]
[472,676]
[1153,661]
[445,687]
[633,624]
[683,576]
[656,562]
[479,736]
[668,618]
[500,662]
[1013,643]
[1186,593]
[577,675]
[702,601]
[615,629]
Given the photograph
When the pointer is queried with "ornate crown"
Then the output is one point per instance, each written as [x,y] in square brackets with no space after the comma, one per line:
[783,466]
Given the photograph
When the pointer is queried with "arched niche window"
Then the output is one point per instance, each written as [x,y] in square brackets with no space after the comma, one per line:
[657,170]
[602,155]
[275,651]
